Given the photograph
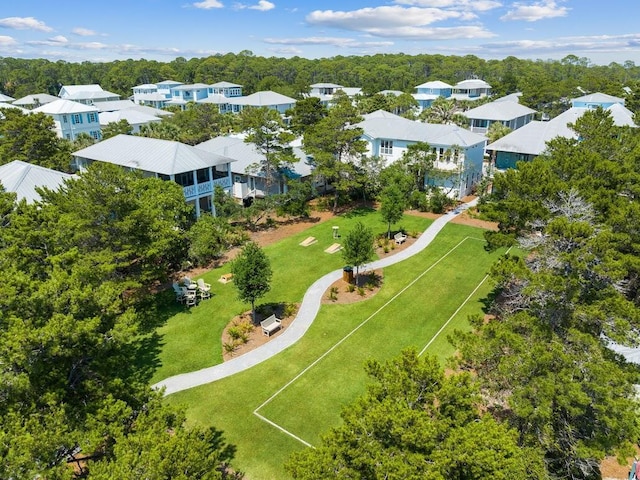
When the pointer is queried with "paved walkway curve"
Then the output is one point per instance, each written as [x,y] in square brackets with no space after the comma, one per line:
[305,317]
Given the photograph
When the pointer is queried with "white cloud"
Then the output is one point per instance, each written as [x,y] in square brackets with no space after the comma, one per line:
[293,51]
[208,4]
[24,23]
[397,21]
[565,45]
[6,41]
[381,17]
[478,5]
[84,32]
[263,6]
[333,41]
[536,11]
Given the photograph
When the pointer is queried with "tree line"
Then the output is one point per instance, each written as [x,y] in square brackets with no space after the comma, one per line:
[543,82]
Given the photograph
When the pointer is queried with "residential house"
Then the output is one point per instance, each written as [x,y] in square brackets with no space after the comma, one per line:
[246,181]
[326,91]
[87,94]
[35,100]
[183,94]
[24,179]
[154,95]
[133,117]
[427,92]
[226,89]
[275,101]
[472,89]
[528,142]
[196,170]
[457,150]
[506,111]
[72,118]
[595,100]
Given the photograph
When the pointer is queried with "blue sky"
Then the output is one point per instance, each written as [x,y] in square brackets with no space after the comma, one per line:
[74,30]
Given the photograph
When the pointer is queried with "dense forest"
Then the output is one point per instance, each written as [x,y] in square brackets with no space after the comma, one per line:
[542,81]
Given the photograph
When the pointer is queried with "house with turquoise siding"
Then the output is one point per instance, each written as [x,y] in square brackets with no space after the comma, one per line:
[183,94]
[72,118]
[506,111]
[526,143]
[87,94]
[427,92]
[154,94]
[457,151]
[595,100]
[472,89]
[195,170]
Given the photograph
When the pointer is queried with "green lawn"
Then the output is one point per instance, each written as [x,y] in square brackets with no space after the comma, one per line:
[324,371]
[190,339]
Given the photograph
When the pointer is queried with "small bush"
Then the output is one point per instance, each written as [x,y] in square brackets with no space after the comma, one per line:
[289,309]
[361,291]
[351,287]
[229,347]
[235,332]
[246,327]
[333,294]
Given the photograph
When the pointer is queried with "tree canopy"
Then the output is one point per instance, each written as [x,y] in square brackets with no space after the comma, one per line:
[251,275]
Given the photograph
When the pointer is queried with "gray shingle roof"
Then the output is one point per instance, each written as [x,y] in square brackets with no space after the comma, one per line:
[151,155]
[22,178]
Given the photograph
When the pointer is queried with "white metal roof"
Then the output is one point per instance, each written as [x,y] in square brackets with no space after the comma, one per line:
[224,85]
[146,86]
[399,128]
[499,111]
[472,84]
[5,98]
[62,106]
[532,138]
[114,105]
[151,154]
[215,98]
[246,154]
[169,82]
[132,116]
[434,84]
[9,105]
[22,178]
[152,97]
[91,95]
[156,112]
[262,99]
[72,89]
[325,85]
[598,98]
[40,98]
[193,86]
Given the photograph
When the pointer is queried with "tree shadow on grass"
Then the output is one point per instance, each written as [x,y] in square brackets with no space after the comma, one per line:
[359,211]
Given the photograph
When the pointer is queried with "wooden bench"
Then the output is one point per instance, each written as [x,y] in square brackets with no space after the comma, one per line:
[399,237]
[270,324]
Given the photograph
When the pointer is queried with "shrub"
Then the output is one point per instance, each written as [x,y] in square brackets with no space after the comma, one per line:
[235,332]
[351,287]
[289,309]
[229,347]
[333,294]
[361,291]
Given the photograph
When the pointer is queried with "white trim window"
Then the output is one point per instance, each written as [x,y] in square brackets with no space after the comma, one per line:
[386,147]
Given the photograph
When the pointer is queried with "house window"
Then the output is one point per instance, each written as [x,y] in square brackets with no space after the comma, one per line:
[64,119]
[205,204]
[184,179]
[76,118]
[92,117]
[386,147]
[203,175]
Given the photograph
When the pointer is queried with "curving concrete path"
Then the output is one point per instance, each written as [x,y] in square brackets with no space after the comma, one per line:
[306,315]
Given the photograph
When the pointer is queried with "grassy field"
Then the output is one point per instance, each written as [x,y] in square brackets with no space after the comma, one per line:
[302,390]
[190,338]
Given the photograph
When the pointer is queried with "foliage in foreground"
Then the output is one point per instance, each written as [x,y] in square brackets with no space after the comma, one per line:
[416,422]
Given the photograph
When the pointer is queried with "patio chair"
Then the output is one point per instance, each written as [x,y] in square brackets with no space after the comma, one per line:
[191,298]
[187,282]
[204,289]
[180,293]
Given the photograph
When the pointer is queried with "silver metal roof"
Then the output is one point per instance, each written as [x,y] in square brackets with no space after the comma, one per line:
[22,178]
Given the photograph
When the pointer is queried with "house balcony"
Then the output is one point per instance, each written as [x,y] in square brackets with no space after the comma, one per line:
[206,187]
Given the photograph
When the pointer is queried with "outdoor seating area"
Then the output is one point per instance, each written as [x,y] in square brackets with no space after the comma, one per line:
[399,238]
[189,292]
[270,325]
